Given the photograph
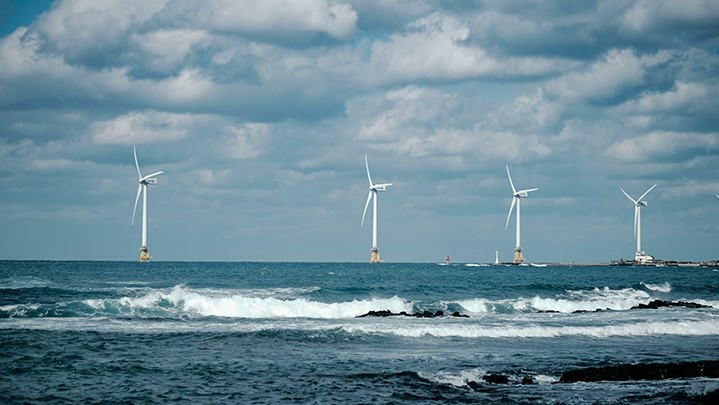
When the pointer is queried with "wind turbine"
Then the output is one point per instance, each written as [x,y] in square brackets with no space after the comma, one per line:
[516,198]
[373,190]
[143,181]
[640,256]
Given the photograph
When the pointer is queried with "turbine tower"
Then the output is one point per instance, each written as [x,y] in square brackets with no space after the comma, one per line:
[516,198]
[143,181]
[640,256]
[373,190]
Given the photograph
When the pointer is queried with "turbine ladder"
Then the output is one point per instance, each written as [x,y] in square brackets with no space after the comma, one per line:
[518,255]
[144,255]
[374,256]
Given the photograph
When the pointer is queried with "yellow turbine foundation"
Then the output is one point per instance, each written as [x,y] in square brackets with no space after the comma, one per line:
[374,257]
[518,256]
[144,255]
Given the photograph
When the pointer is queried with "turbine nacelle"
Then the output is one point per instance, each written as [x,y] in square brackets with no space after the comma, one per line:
[380,187]
[524,193]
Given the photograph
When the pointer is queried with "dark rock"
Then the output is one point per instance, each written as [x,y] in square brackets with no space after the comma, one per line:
[527,381]
[643,371]
[474,385]
[426,314]
[549,311]
[382,313]
[661,303]
[584,311]
[496,378]
[458,315]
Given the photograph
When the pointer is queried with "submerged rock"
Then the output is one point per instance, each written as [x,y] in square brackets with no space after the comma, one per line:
[499,379]
[496,378]
[711,397]
[643,371]
[661,303]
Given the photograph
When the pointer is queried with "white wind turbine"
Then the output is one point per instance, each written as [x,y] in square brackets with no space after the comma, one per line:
[143,181]
[516,198]
[640,256]
[373,190]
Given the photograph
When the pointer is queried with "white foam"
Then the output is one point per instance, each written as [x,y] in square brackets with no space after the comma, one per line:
[573,300]
[665,288]
[238,305]
[477,305]
[458,380]
[473,330]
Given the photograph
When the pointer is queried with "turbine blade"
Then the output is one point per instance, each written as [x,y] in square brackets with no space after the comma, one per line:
[717,195]
[630,198]
[646,192]
[369,197]
[529,190]
[153,175]
[137,198]
[137,165]
[510,180]
[367,166]
[511,207]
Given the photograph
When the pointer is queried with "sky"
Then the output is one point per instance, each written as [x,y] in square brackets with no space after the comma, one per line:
[260,114]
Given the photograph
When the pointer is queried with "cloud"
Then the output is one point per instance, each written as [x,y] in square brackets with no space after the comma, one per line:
[20,55]
[245,142]
[89,31]
[619,71]
[144,127]
[667,15]
[422,122]
[691,188]
[436,48]
[532,112]
[336,19]
[166,50]
[663,144]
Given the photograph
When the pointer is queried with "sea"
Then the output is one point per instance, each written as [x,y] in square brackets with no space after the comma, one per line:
[275,333]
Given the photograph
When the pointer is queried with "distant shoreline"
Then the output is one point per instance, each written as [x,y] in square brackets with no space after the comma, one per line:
[614,263]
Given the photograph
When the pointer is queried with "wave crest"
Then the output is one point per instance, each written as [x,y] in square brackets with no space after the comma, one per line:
[572,301]
[191,302]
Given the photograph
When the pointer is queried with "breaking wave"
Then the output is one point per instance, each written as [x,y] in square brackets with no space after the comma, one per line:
[664,288]
[183,303]
[571,301]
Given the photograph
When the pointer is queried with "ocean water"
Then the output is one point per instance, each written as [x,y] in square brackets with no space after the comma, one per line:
[200,332]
